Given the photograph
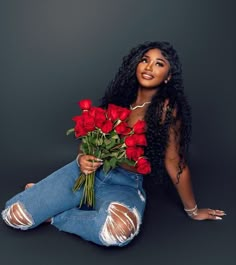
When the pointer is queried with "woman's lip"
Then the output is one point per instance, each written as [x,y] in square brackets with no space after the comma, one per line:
[147,76]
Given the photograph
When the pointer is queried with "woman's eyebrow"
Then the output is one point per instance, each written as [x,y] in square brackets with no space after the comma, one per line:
[158,59]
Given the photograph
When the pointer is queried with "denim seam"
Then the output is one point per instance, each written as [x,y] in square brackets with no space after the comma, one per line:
[107,176]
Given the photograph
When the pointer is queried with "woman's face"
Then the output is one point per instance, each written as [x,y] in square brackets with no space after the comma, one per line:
[153,69]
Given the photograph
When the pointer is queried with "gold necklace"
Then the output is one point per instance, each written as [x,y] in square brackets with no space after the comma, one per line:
[139,106]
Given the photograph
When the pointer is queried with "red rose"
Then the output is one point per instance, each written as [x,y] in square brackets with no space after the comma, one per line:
[100,118]
[130,140]
[143,166]
[88,122]
[141,139]
[107,126]
[93,111]
[85,104]
[79,131]
[113,112]
[133,153]
[124,113]
[123,128]
[139,127]
[77,118]
[79,127]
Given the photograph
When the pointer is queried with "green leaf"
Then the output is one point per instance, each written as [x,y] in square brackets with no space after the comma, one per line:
[107,141]
[106,166]
[84,148]
[113,162]
[103,156]
[84,140]
[112,144]
[115,136]
[70,131]
[122,154]
[99,141]
[79,182]
[97,153]
[105,151]
[114,154]
[127,161]
[118,140]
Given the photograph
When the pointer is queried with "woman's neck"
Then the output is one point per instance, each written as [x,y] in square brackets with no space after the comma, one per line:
[145,95]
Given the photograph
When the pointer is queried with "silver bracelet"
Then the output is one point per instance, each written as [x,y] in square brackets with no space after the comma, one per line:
[192,212]
[77,158]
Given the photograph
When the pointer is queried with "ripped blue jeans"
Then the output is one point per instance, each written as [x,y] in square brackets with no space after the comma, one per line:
[120,203]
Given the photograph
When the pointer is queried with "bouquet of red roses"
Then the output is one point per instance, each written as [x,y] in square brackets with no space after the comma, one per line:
[106,135]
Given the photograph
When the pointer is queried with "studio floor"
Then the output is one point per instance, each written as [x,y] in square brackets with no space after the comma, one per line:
[167,235]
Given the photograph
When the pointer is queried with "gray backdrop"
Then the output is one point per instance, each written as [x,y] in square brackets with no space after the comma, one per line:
[54,53]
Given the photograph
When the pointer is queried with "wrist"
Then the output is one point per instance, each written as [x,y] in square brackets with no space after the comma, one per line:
[192,212]
[78,158]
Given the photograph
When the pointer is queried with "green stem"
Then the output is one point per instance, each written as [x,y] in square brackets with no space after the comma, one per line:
[88,197]
[79,182]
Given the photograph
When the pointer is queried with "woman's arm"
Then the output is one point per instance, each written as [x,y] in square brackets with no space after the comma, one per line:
[183,184]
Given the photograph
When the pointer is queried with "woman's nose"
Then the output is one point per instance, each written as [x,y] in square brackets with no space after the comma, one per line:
[149,66]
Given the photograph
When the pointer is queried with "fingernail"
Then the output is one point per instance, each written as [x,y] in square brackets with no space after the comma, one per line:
[98,159]
[218,218]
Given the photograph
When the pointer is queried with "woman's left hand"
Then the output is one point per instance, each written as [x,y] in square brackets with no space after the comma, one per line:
[208,214]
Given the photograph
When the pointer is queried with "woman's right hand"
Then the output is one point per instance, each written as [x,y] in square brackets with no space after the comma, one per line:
[89,163]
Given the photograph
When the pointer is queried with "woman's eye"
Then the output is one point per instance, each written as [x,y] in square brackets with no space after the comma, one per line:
[160,64]
[143,60]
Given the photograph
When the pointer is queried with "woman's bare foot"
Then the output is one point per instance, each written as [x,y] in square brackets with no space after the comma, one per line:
[29,185]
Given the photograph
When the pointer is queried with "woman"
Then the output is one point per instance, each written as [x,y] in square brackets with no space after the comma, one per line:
[149,82]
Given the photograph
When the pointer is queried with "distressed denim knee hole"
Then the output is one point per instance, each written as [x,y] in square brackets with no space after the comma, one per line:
[17,217]
[121,224]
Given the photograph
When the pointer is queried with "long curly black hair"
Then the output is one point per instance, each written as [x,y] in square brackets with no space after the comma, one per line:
[122,90]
